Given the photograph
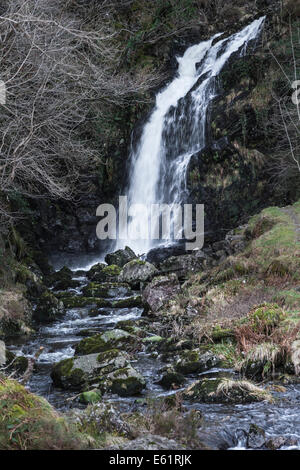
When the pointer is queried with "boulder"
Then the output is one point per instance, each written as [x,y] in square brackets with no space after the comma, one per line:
[103,342]
[77,373]
[120,257]
[195,361]
[256,437]
[102,273]
[218,390]
[124,382]
[48,308]
[77,301]
[184,265]
[136,272]
[160,291]
[93,396]
[61,280]
[128,302]
[170,378]
[106,289]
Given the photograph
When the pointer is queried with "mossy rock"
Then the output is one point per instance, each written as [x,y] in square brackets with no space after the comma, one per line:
[124,382]
[136,272]
[196,361]
[265,317]
[129,302]
[93,396]
[28,422]
[106,289]
[16,363]
[103,273]
[48,308]
[171,379]
[219,390]
[76,301]
[61,280]
[113,339]
[120,257]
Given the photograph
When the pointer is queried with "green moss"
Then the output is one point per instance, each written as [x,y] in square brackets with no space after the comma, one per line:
[93,396]
[29,422]
[76,301]
[113,339]
[129,302]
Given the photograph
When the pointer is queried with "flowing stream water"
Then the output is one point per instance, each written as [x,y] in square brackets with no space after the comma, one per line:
[174,131]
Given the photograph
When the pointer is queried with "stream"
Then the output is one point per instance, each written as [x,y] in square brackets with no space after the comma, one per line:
[225,426]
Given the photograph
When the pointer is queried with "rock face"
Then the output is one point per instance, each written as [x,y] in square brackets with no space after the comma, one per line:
[136,272]
[160,291]
[120,257]
[103,342]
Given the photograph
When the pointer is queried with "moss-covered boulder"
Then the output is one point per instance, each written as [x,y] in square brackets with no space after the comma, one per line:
[15,313]
[77,373]
[219,390]
[266,317]
[128,302]
[93,396]
[113,339]
[124,382]
[102,273]
[48,308]
[15,363]
[106,289]
[120,257]
[171,378]
[263,361]
[76,301]
[62,280]
[28,422]
[184,265]
[160,290]
[136,272]
[196,361]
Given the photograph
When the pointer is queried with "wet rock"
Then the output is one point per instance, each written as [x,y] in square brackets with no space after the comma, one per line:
[277,442]
[295,356]
[171,379]
[160,291]
[136,272]
[77,301]
[102,273]
[120,257]
[106,289]
[129,302]
[256,437]
[103,342]
[219,390]
[48,308]
[150,442]
[184,265]
[2,353]
[125,382]
[160,254]
[77,373]
[61,280]
[15,363]
[93,396]
[195,361]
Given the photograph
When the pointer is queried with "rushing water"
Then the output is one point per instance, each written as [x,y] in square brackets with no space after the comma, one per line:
[176,128]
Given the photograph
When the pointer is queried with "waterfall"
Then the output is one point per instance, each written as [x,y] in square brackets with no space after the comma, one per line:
[176,128]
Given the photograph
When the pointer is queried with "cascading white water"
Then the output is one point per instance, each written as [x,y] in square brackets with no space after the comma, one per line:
[176,128]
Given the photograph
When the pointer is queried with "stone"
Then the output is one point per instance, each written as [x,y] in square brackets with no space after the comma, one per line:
[120,257]
[2,353]
[256,437]
[102,273]
[106,289]
[77,373]
[150,442]
[93,396]
[103,342]
[195,361]
[136,272]
[48,308]
[125,382]
[184,264]
[160,290]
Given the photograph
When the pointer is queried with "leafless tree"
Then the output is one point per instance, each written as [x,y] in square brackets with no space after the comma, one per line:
[54,65]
